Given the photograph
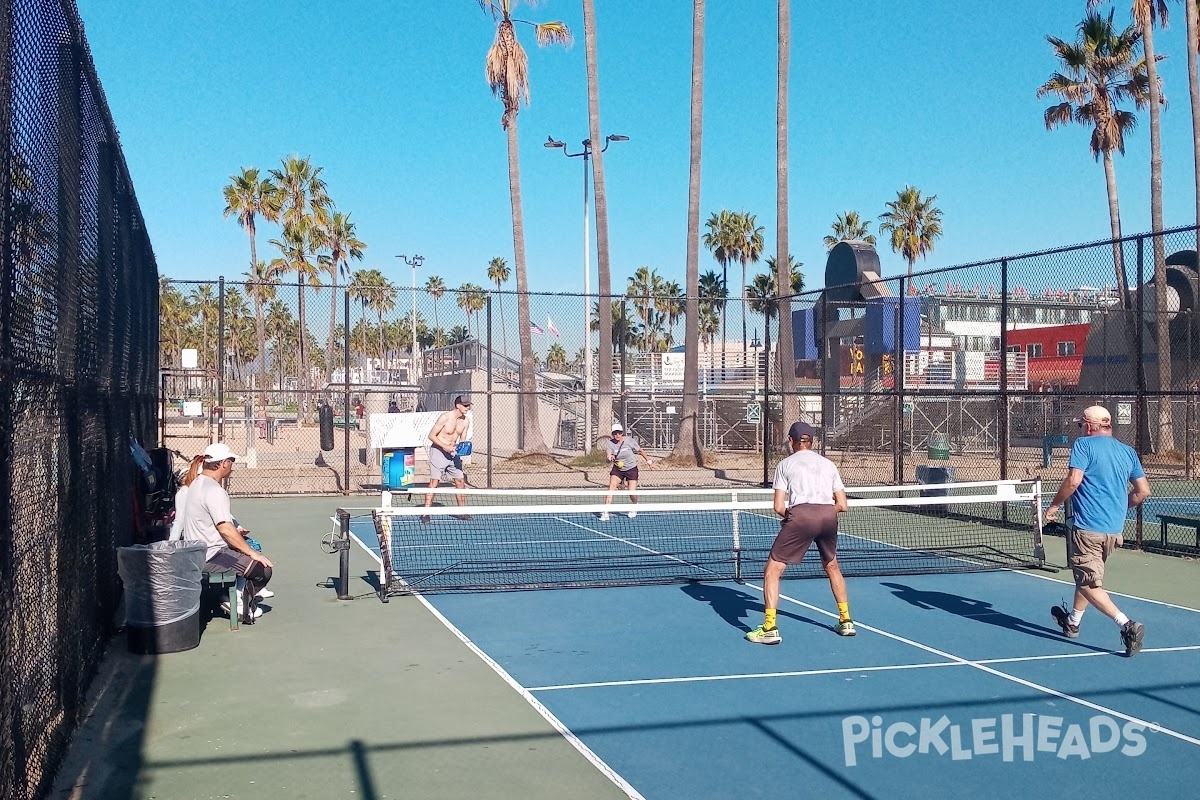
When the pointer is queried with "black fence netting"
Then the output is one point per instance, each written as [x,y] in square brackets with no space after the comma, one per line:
[78,381]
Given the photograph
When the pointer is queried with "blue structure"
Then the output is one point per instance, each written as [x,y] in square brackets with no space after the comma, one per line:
[879,336]
[804,334]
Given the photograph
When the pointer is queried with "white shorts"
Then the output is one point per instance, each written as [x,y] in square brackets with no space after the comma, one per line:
[444,465]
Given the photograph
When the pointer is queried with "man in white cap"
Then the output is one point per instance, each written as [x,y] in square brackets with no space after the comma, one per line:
[207,518]
[623,451]
[1099,474]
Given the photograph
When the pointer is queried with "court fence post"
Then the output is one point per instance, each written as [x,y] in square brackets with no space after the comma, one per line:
[343,545]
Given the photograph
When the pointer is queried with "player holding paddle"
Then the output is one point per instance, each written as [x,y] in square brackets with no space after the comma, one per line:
[623,452]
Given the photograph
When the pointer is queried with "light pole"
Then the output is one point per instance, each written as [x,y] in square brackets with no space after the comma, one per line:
[414,262]
[586,153]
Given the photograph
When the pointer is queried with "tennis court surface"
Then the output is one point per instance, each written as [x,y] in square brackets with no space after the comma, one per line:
[957,681]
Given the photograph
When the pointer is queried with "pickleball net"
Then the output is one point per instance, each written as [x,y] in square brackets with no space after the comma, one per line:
[503,539]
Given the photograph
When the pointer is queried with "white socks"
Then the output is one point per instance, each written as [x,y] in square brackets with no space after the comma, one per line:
[1120,619]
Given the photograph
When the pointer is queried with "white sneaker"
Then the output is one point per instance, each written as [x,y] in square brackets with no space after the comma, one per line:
[604,517]
[265,594]
[632,514]
[258,612]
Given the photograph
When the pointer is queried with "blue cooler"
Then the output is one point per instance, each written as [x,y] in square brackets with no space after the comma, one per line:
[399,468]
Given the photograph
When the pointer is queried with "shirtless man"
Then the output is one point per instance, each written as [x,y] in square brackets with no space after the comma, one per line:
[444,460]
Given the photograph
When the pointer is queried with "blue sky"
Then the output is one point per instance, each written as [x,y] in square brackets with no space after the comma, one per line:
[389,97]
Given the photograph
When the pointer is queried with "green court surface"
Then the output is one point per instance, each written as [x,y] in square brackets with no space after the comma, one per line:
[358,699]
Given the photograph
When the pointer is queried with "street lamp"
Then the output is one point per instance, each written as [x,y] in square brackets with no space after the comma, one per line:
[414,262]
[586,153]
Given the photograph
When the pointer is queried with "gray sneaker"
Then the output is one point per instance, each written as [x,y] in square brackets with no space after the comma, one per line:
[1062,617]
[1132,634]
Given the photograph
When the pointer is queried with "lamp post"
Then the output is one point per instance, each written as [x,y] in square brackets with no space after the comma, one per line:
[414,262]
[754,345]
[586,154]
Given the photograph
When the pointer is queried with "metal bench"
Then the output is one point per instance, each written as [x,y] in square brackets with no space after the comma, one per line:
[1180,520]
[225,579]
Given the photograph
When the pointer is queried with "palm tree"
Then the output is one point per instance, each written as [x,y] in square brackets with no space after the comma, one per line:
[363,286]
[340,239]
[748,248]
[796,282]
[303,193]
[719,241]
[297,246]
[248,197]
[783,33]
[436,287]
[1146,14]
[204,303]
[556,358]
[687,443]
[603,269]
[1098,70]
[913,222]
[383,300]
[507,72]
[471,299]
[849,226]
[174,315]
[760,297]
[498,273]
[260,287]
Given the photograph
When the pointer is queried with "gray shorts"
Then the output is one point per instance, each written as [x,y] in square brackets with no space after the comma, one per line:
[445,465]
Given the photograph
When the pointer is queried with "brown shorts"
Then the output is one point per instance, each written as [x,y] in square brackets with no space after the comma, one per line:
[803,525]
[1086,553]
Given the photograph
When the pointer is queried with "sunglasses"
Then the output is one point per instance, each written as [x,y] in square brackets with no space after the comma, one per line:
[618,433]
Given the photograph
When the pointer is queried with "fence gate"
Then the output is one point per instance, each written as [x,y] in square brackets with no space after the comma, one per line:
[189,414]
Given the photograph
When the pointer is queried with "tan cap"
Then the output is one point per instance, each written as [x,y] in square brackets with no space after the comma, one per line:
[1097,415]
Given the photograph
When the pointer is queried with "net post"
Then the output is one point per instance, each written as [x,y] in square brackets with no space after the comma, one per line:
[1039,545]
[737,543]
[343,545]
[383,529]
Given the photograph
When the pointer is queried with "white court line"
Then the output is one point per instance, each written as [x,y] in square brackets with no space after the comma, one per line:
[1110,591]
[842,670]
[983,667]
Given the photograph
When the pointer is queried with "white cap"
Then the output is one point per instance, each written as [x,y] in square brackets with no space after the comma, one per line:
[617,427]
[219,452]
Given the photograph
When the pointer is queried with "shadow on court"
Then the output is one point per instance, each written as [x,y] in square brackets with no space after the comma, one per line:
[979,611]
[734,605]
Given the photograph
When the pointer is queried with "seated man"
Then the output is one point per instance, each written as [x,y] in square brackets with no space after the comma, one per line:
[206,517]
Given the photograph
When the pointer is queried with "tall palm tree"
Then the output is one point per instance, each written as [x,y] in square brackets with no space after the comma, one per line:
[204,305]
[260,287]
[303,192]
[796,281]
[1097,70]
[174,315]
[556,358]
[342,243]
[249,197]
[786,350]
[720,241]
[383,300]
[687,443]
[1193,60]
[436,287]
[603,268]
[849,226]
[507,71]
[471,298]
[914,224]
[748,248]
[361,289]
[297,246]
[498,274]
[760,297]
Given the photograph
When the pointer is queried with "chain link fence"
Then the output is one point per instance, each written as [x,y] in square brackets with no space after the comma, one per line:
[79,363]
[968,373]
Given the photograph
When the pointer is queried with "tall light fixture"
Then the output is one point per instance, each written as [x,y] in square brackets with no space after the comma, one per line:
[586,153]
[414,262]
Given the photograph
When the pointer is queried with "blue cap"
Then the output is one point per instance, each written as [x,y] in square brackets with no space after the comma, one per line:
[801,430]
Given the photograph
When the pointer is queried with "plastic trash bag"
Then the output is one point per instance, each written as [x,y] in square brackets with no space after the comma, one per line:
[162,581]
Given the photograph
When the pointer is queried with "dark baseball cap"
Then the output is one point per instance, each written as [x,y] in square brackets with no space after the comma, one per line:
[463,400]
[801,430]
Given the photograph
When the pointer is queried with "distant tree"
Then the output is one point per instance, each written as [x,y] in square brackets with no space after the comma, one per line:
[913,222]
[847,227]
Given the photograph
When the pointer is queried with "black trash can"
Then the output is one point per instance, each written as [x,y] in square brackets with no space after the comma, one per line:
[162,595]
[935,475]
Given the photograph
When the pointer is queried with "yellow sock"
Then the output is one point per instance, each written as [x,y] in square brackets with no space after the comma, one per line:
[769,618]
[843,612]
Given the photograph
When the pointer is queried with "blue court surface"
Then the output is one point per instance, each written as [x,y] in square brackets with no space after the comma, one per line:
[957,685]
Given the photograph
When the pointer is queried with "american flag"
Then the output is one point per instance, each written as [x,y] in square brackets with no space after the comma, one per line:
[535,328]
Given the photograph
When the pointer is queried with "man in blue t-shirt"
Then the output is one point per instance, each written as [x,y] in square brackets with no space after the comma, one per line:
[1098,477]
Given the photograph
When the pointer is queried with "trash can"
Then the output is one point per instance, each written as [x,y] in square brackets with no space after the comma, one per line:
[398,468]
[939,447]
[162,595]
[935,475]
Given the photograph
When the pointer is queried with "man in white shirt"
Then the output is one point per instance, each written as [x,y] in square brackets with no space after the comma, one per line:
[809,495]
[207,518]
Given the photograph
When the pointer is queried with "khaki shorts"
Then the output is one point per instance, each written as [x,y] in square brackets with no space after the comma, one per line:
[1086,553]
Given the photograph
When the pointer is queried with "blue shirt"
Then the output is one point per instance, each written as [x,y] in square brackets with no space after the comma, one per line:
[1102,499]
